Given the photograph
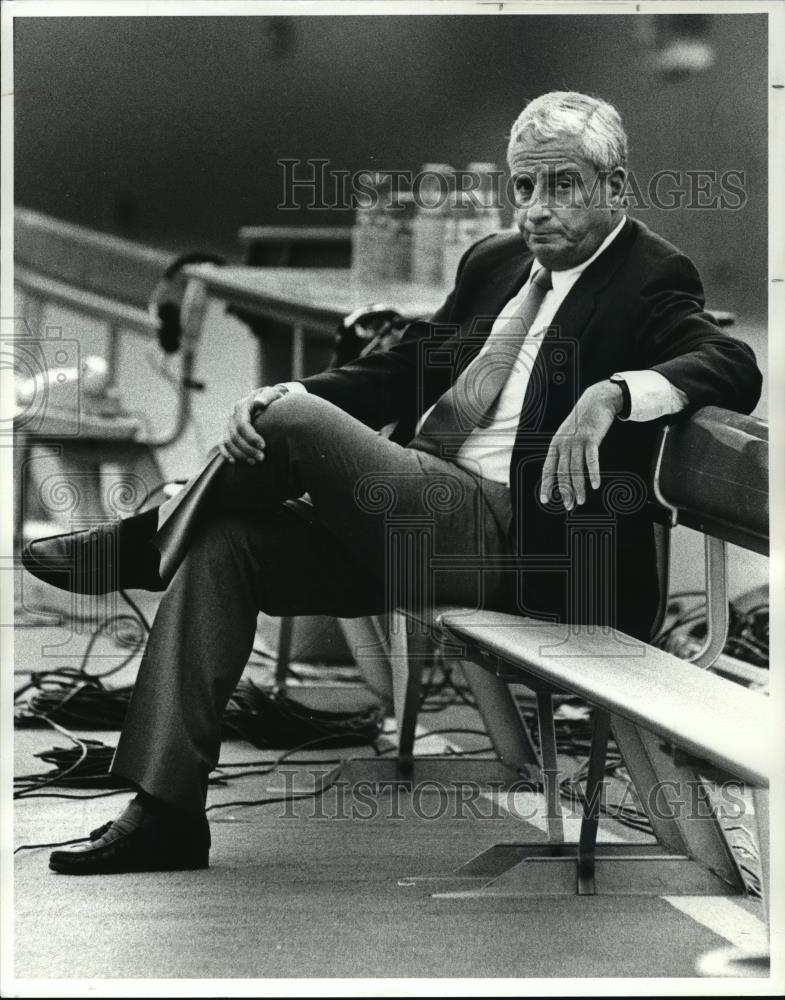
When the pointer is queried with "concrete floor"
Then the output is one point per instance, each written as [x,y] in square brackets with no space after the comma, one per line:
[309,891]
[314,889]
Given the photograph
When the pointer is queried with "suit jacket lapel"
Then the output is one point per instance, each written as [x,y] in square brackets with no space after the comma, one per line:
[574,313]
[572,318]
[503,283]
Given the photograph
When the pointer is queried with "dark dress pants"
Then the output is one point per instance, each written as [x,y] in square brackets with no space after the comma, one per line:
[386,527]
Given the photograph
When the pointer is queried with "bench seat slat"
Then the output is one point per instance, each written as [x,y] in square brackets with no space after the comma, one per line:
[711,717]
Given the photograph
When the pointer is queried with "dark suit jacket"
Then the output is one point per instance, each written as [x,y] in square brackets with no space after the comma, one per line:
[638,306]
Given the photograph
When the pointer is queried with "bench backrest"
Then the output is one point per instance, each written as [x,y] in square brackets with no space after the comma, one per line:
[711,472]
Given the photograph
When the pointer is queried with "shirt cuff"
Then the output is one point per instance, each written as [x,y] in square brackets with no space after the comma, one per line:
[652,395]
[294,386]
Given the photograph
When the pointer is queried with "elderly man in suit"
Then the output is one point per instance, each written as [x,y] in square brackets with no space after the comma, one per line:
[525,408]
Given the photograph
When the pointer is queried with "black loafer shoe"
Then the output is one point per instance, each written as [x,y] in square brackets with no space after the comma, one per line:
[138,841]
[116,556]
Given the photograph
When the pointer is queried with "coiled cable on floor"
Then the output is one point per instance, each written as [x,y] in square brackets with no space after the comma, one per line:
[277,719]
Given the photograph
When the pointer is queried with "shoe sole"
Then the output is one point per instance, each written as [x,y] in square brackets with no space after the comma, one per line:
[174,866]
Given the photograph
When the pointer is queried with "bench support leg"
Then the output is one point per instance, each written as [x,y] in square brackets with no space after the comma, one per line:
[675,801]
[550,768]
[693,859]
[507,729]
[595,781]
[366,640]
[284,654]
[408,650]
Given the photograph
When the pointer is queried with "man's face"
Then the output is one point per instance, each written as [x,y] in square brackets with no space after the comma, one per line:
[565,207]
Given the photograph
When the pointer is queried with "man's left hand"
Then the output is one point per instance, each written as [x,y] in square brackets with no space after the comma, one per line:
[574,449]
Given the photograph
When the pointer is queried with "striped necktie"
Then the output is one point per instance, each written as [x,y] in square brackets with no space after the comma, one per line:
[468,403]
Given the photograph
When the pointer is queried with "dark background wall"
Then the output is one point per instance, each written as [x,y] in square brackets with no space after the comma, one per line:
[167,130]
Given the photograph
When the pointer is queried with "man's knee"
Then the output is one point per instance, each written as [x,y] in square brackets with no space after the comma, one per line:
[290,414]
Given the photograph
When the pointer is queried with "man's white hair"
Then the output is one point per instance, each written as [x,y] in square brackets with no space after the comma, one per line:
[594,124]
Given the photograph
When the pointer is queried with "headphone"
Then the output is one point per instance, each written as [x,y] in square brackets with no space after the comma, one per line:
[167,296]
[367,329]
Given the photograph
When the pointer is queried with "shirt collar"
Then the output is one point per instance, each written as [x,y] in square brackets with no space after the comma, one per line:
[564,280]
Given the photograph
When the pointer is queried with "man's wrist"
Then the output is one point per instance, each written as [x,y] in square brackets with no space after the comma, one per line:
[610,394]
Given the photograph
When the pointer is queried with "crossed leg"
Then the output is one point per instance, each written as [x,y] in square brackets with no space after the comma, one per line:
[383,517]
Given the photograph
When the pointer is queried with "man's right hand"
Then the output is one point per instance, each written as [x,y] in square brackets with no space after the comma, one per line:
[241,440]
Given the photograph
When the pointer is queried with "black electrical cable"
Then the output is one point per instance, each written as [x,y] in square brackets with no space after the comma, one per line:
[81,798]
[748,631]
[65,691]
[136,609]
[326,784]
[435,695]
[279,760]
[334,775]
[265,763]
[460,730]
[81,670]
[448,751]
[219,805]
[58,843]
[51,779]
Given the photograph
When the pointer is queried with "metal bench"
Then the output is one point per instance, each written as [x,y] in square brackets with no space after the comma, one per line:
[710,473]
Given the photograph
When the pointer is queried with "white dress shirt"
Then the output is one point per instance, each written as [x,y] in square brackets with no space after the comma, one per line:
[488,451]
